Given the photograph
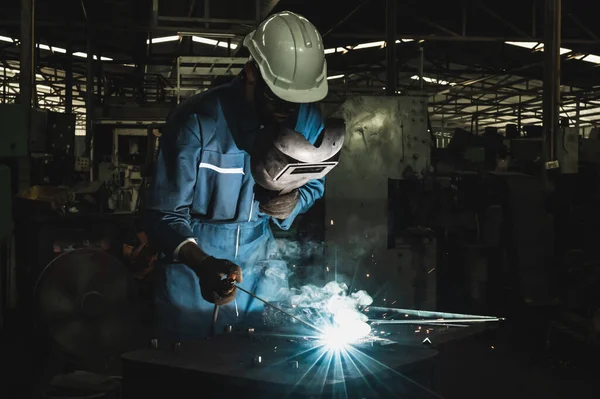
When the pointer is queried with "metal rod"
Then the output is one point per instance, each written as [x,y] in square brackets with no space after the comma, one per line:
[427,313]
[379,322]
[281,310]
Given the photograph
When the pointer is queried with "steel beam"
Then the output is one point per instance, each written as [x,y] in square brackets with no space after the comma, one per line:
[207,20]
[212,60]
[267,8]
[357,37]
[502,20]
[350,14]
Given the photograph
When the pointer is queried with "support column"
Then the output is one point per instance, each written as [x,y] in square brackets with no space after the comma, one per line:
[26,48]
[391,83]
[551,100]
[26,82]
[69,78]
[89,103]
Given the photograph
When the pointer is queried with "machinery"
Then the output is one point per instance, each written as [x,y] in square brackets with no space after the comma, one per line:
[370,244]
[36,147]
[86,302]
[124,154]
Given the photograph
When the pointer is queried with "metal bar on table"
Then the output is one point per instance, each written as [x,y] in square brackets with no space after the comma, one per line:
[434,321]
[428,313]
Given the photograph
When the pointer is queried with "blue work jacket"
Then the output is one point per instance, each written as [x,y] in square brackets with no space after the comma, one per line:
[202,173]
[202,189]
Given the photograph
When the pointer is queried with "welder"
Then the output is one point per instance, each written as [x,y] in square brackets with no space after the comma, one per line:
[204,211]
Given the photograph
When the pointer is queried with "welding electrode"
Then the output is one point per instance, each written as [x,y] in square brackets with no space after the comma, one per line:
[281,310]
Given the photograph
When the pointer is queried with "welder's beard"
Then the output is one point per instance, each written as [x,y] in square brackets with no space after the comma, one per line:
[273,110]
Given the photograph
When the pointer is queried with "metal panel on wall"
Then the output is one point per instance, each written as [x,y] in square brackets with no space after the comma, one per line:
[568,150]
[386,138]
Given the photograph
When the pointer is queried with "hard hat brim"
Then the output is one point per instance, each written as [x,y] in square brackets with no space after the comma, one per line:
[301,96]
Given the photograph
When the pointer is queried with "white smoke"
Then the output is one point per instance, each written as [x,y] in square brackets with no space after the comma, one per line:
[339,312]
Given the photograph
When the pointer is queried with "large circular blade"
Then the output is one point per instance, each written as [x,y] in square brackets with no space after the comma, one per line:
[87,301]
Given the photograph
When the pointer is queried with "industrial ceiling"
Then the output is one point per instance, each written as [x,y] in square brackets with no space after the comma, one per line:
[481,61]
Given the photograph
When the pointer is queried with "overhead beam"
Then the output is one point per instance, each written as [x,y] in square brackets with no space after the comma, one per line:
[348,16]
[502,20]
[438,38]
[583,27]
[436,26]
[267,7]
[207,20]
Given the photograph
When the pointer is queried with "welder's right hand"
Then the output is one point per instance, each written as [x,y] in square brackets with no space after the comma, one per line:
[217,280]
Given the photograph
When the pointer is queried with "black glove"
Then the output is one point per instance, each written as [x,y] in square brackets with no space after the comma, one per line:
[217,280]
[280,206]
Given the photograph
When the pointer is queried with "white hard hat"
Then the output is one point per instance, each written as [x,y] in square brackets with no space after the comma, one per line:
[289,52]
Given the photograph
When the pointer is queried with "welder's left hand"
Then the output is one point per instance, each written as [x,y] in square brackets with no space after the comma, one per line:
[280,206]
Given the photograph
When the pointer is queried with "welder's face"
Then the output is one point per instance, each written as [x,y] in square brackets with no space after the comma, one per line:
[272,109]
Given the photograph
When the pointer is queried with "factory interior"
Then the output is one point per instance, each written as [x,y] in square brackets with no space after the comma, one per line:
[450,252]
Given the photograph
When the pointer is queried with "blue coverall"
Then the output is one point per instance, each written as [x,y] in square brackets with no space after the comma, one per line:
[202,189]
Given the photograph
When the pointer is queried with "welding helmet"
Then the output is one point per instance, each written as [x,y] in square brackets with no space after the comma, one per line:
[289,53]
[287,160]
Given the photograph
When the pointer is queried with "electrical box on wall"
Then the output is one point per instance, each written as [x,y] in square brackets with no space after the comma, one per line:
[568,150]
[46,131]
[14,130]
